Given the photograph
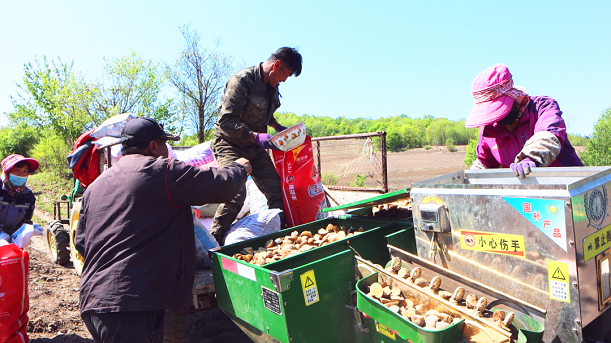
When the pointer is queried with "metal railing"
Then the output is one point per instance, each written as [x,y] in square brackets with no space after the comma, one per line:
[356,162]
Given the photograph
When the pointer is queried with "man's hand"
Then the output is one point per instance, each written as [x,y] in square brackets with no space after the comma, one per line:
[522,168]
[263,139]
[246,164]
[279,128]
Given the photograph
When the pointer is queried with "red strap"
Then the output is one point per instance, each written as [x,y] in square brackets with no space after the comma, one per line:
[166,183]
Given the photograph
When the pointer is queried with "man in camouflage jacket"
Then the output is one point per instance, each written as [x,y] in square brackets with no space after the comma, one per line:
[247,107]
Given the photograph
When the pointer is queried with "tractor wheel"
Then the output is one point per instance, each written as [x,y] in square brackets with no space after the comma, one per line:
[58,240]
[77,259]
[174,327]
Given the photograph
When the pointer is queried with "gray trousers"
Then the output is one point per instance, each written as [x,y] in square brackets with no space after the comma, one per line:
[263,174]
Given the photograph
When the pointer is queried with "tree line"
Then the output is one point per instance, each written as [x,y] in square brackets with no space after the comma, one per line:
[402,132]
[54,103]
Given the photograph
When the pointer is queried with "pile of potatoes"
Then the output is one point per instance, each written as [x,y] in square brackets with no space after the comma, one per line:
[416,313]
[423,315]
[401,209]
[296,242]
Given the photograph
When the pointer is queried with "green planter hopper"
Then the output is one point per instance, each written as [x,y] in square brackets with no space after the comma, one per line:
[305,297]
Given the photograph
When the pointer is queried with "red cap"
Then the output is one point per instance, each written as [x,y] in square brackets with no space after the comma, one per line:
[9,162]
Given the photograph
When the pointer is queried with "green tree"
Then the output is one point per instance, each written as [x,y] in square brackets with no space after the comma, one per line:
[450,145]
[53,96]
[470,153]
[19,139]
[132,84]
[51,152]
[598,147]
[199,76]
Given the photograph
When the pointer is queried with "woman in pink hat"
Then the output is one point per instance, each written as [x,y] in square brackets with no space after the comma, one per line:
[517,131]
[17,201]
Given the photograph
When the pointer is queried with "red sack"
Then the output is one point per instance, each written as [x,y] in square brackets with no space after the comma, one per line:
[302,190]
[14,301]
[87,166]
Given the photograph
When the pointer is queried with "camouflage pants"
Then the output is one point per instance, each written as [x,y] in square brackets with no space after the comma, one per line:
[263,174]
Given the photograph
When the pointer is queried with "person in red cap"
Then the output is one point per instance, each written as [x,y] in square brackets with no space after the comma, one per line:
[517,131]
[17,199]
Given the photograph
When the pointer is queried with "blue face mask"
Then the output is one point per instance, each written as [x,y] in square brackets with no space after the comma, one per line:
[17,181]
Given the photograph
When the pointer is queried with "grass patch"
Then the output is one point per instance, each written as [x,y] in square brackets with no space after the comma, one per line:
[48,188]
[329,178]
[359,180]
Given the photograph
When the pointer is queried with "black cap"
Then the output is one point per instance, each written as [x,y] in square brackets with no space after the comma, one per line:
[141,130]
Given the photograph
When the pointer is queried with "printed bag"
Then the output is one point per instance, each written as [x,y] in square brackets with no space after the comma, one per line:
[14,303]
[302,189]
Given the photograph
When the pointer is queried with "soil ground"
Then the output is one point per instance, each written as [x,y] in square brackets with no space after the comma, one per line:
[54,289]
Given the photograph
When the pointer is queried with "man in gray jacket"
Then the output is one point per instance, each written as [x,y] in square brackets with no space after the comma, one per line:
[135,232]
[249,101]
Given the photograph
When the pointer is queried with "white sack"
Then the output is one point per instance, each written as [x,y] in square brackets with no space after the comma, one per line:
[22,236]
[112,126]
[198,156]
[255,225]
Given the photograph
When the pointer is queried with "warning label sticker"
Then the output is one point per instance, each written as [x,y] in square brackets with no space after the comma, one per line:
[386,331]
[558,277]
[491,242]
[310,291]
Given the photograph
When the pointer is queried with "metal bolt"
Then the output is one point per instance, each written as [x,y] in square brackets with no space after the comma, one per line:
[267,328]
[568,204]
[574,331]
[575,284]
[287,286]
[578,322]
[285,303]
[291,339]
[571,244]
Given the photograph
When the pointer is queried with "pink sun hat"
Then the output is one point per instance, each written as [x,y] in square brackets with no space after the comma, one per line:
[489,91]
[9,162]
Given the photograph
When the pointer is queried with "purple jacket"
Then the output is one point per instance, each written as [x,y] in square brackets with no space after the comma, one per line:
[498,147]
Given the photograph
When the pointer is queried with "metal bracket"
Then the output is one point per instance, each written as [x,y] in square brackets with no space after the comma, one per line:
[281,280]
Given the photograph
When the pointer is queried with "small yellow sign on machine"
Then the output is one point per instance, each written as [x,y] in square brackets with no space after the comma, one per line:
[308,283]
[492,242]
[386,331]
[558,277]
[596,243]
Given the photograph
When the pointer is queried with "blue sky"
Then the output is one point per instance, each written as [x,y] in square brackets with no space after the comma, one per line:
[361,58]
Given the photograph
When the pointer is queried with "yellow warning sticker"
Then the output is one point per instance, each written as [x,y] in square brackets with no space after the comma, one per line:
[431,198]
[386,331]
[596,243]
[308,283]
[492,242]
[558,277]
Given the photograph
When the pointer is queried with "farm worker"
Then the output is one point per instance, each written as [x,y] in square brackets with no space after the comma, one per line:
[136,234]
[17,199]
[517,131]
[247,107]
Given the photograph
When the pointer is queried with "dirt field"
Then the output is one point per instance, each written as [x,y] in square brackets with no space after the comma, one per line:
[54,314]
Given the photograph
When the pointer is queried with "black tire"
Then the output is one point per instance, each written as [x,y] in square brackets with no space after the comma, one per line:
[174,327]
[58,241]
